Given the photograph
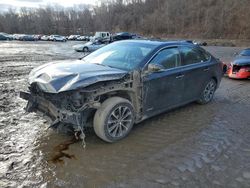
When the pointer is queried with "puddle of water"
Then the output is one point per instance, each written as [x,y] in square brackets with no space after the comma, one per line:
[59,151]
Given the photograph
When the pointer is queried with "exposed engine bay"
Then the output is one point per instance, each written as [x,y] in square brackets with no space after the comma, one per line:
[75,109]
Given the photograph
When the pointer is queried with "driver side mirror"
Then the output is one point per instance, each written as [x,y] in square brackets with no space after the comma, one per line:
[155,68]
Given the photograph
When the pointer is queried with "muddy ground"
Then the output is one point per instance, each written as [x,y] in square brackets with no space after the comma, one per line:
[193,146]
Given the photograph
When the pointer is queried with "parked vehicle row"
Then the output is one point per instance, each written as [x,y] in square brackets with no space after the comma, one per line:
[27,37]
[104,37]
[101,39]
[55,38]
[5,36]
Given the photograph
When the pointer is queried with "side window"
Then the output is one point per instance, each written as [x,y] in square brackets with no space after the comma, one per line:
[192,55]
[168,58]
[207,55]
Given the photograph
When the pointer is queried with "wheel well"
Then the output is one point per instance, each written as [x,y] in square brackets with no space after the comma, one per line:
[215,79]
[122,94]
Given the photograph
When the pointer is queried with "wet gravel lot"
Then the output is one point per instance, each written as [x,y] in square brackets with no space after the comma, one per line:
[193,146]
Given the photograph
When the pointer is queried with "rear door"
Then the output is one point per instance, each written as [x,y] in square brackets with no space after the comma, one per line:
[163,89]
[196,66]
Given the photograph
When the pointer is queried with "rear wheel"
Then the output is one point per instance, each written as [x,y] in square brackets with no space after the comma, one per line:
[114,120]
[208,92]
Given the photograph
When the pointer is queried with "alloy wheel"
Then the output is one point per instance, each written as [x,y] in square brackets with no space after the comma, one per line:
[119,121]
[209,91]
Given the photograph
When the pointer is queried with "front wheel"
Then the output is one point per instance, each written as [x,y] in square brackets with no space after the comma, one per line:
[114,119]
[85,49]
[208,92]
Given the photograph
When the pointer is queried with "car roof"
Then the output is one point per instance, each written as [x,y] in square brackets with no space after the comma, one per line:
[158,43]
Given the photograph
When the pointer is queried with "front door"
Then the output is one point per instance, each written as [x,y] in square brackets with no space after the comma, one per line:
[163,89]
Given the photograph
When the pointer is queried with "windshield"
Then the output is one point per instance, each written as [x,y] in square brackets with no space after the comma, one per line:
[245,52]
[121,55]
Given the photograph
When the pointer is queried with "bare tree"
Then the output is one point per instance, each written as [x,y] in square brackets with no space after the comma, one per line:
[160,18]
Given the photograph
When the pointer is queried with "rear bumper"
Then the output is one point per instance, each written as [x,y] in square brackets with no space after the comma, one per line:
[40,105]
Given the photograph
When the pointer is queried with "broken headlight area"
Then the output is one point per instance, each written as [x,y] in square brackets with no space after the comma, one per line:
[71,108]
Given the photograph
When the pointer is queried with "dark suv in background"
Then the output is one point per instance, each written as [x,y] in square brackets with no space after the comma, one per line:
[5,36]
[122,84]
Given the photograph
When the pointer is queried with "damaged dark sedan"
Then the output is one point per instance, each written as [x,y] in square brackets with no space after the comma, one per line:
[122,84]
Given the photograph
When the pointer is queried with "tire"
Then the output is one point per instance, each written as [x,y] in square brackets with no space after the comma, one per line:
[85,49]
[208,92]
[108,125]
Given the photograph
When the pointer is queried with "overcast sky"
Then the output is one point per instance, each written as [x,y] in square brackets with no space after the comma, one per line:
[6,4]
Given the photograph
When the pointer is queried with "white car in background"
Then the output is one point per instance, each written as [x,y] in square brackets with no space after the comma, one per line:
[57,38]
[89,46]
[17,36]
[73,37]
[45,37]
[82,38]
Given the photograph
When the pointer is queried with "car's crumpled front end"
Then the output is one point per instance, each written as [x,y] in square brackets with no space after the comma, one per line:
[66,107]
[68,91]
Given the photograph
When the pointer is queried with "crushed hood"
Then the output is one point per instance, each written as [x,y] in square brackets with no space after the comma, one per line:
[69,75]
[242,61]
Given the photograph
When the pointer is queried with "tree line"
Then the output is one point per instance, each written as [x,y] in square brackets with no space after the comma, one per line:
[158,18]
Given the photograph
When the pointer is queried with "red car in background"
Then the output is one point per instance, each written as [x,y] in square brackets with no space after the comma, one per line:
[240,67]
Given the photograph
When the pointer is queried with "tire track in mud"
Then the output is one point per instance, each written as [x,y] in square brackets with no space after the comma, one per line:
[182,148]
[21,162]
[18,158]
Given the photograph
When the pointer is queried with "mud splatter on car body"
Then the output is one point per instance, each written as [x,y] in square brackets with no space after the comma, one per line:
[70,92]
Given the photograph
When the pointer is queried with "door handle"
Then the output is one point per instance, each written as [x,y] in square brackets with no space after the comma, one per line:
[206,69]
[180,76]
